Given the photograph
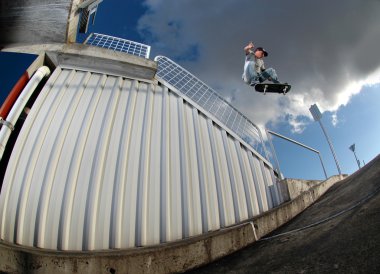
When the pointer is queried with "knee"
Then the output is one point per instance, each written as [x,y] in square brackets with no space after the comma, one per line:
[245,79]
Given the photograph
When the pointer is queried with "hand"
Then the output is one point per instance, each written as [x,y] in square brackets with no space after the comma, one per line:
[248,47]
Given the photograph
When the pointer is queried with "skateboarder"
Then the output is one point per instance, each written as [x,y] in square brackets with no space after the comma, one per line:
[254,69]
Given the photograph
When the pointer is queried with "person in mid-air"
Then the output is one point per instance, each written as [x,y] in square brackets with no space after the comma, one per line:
[254,69]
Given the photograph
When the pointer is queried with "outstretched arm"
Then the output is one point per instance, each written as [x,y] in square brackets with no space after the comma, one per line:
[248,47]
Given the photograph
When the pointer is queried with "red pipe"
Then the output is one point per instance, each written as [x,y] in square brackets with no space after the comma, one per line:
[13,95]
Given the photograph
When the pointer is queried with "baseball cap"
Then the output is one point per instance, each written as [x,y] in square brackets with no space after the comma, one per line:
[263,50]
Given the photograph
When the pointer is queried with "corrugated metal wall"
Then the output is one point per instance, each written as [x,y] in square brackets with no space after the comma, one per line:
[108,162]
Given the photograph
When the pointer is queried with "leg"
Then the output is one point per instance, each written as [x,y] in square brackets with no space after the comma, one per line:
[271,75]
[249,74]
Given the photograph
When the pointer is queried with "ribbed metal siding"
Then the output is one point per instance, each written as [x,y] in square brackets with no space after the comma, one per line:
[108,162]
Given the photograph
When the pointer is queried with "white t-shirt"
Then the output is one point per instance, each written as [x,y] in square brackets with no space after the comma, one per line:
[259,63]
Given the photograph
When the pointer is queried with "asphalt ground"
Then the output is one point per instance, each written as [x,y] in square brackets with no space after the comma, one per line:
[340,233]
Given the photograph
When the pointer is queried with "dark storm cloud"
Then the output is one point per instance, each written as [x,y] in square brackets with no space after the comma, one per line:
[320,47]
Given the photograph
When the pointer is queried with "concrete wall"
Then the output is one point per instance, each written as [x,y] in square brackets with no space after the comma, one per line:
[25,22]
[292,188]
[296,186]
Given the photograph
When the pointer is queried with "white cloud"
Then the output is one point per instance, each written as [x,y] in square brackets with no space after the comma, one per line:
[298,126]
[355,87]
[335,119]
[327,50]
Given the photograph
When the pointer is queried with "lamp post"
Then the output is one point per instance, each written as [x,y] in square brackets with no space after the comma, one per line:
[352,148]
[317,115]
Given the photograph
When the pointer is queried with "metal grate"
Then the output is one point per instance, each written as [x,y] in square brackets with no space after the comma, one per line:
[118,44]
[174,75]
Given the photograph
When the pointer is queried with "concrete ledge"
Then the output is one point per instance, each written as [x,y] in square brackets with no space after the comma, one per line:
[166,258]
[95,59]
[32,48]
[269,221]
[297,186]
[102,60]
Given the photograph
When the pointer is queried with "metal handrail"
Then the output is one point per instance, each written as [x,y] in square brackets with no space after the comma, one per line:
[114,43]
[299,144]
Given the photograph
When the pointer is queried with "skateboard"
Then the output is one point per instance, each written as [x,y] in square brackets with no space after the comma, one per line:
[273,88]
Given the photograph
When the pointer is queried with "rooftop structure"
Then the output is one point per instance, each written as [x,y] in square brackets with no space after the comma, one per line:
[108,158]
[38,22]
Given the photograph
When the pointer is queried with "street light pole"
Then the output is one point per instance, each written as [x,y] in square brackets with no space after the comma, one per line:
[317,115]
[352,148]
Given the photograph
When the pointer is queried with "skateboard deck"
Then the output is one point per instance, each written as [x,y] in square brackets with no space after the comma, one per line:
[273,88]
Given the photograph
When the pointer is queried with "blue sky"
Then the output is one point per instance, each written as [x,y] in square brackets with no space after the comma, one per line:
[357,125]
[332,62]
[12,66]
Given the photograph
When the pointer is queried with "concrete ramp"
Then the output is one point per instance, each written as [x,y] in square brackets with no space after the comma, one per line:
[339,233]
